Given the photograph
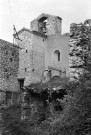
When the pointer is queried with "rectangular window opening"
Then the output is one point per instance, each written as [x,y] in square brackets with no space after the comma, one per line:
[25,69]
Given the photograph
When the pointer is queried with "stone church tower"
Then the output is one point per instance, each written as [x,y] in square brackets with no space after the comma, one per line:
[43,48]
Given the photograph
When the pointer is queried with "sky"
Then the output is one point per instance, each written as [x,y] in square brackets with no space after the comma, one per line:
[21,12]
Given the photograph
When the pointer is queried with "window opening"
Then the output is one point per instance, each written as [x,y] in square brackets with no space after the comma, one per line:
[12,53]
[6,70]
[21,83]
[42,25]
[25,69]
[56,56]
[6,52]
[11,59]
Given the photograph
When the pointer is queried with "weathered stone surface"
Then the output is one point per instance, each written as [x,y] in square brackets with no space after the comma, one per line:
[31,57]
[80,44]
[53,24]
[9,64]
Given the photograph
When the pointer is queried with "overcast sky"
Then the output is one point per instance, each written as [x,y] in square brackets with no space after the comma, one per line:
[21,12]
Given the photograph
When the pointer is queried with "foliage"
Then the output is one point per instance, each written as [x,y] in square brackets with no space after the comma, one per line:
[76,118]
[13,125]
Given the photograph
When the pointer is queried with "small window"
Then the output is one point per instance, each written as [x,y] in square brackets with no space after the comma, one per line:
[6,70]
[56,56]
[26,51]
[12,53]
[11,59]
[25,69]
[49,73]
[33,70]
[6,51]
[59,56]
[43,40]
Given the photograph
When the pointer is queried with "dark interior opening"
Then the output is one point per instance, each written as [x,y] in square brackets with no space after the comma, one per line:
[21,83]
[42,19]
[58,108]
[42,25]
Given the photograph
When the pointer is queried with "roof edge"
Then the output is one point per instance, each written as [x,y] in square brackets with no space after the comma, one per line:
[9,43]
[21,30]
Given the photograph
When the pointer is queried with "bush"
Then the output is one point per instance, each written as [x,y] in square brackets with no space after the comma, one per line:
[77,110]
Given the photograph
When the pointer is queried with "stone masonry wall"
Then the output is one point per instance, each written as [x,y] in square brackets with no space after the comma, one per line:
[25,55]
[79,41]
[31,57]
[34,25]
[38,56]
[72,43]
[9,63]
[53,26]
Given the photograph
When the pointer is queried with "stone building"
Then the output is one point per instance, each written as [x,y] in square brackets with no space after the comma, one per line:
[9,64]
[43,49]
[39,53]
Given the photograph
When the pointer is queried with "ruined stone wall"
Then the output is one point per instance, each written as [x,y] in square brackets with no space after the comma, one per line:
[74,60]
[9,64]
[79,41]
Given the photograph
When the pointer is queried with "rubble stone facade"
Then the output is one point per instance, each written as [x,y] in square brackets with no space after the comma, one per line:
[80,36]
[9,64]
[9,61]
[74,60]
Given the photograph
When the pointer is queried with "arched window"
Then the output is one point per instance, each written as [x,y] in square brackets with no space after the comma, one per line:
[56,56]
